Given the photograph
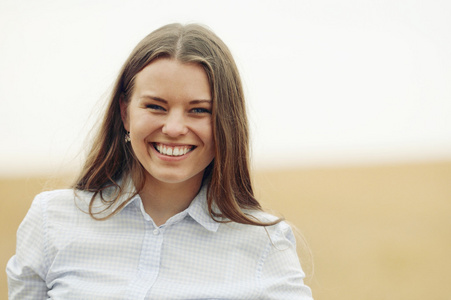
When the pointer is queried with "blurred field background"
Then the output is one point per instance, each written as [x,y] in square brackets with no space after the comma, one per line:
[375,232]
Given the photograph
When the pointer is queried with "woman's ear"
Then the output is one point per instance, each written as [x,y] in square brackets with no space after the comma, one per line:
[124,114]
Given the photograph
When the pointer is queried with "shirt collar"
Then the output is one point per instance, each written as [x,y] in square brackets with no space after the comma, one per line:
[198,209]
[128,190]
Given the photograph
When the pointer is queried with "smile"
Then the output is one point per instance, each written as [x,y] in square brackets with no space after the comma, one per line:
[173,150]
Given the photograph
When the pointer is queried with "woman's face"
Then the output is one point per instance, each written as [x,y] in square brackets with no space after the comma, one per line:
[170,122]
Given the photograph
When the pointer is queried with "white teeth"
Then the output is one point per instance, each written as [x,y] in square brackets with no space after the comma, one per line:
[173,151]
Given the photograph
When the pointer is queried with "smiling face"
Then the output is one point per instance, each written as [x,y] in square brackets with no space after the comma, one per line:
[169,120]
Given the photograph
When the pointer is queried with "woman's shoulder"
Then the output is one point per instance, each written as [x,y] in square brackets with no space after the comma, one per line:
[280,231]
[61,203]
[55,194]
[60,197]
[54,197]
[266,217]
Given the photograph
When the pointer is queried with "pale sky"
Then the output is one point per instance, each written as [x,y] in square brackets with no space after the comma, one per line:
[327,82]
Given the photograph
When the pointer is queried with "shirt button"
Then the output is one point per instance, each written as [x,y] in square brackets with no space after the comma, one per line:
[156,232]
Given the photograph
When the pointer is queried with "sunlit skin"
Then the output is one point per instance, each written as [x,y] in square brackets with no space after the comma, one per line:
[170,111]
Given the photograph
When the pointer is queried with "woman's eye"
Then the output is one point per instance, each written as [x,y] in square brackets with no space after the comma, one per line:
[200,110]
[155,107]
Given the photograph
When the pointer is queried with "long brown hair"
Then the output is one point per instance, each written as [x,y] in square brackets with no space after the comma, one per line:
[230,186]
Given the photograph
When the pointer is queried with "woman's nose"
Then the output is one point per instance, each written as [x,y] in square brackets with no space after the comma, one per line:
[175,125]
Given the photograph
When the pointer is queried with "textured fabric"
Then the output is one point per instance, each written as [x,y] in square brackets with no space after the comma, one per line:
[62,253]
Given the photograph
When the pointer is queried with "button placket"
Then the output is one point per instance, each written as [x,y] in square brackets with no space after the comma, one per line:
[149,264]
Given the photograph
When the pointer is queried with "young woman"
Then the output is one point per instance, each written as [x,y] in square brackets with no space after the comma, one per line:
[164,207]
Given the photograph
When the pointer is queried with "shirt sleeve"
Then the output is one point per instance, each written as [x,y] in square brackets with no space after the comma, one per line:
[26,269]
[281,275]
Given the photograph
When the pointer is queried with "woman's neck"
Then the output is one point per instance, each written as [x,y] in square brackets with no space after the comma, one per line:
[163,200]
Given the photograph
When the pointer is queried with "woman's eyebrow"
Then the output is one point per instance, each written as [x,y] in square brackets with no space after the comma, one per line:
[196,101]
[153,98]
[200,101]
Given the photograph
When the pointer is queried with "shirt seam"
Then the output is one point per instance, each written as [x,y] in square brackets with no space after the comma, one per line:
[261,263]
[43,204]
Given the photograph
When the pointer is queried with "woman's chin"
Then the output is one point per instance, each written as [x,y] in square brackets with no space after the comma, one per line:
[175,177]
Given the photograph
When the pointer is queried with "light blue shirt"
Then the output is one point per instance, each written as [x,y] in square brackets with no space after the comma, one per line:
[62,253]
